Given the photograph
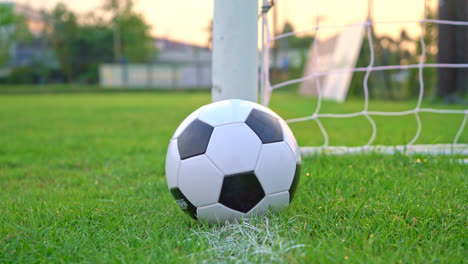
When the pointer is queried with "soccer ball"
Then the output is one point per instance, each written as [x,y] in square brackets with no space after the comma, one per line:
[232,159]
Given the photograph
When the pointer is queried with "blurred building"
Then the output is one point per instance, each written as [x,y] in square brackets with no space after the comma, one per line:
[31,51]
[180,52]
[179,65]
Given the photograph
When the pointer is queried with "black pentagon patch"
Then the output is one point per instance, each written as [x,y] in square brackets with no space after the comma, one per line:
[266,126]
[194,139]
[241,192]
[184,203]
[295,182]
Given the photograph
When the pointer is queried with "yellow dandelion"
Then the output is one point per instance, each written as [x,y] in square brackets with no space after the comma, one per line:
[307,174]
[346,257]
[418,160]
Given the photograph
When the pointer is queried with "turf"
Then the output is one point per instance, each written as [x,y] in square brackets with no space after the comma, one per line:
[82,180]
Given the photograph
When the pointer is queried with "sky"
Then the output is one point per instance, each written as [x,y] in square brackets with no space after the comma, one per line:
[188,20]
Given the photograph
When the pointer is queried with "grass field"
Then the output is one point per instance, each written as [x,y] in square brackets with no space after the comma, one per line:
[82,180]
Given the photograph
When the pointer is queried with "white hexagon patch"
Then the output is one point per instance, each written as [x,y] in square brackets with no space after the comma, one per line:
[234,148]
[276,167]
[200,181]
[225,112]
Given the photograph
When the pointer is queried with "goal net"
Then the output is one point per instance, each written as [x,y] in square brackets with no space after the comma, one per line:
[330,65]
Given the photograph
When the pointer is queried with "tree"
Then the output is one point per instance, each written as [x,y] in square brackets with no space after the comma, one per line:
[295,42]
[137,43]
[13,28]
[132,39]
[429,74]
[453,42]
[95,47]
[64,36]
[79,47]
[6,30]
[83,42]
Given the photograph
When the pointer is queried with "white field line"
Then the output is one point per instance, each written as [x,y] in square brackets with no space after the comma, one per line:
[256,240]
[434,149]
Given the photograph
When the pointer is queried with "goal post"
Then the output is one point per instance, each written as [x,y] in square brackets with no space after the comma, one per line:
[315,77]
[235,50]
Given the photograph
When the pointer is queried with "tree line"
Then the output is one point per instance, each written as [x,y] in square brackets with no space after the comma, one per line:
[78,42]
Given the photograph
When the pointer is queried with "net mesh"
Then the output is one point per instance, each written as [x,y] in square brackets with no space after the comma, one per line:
[454,148]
